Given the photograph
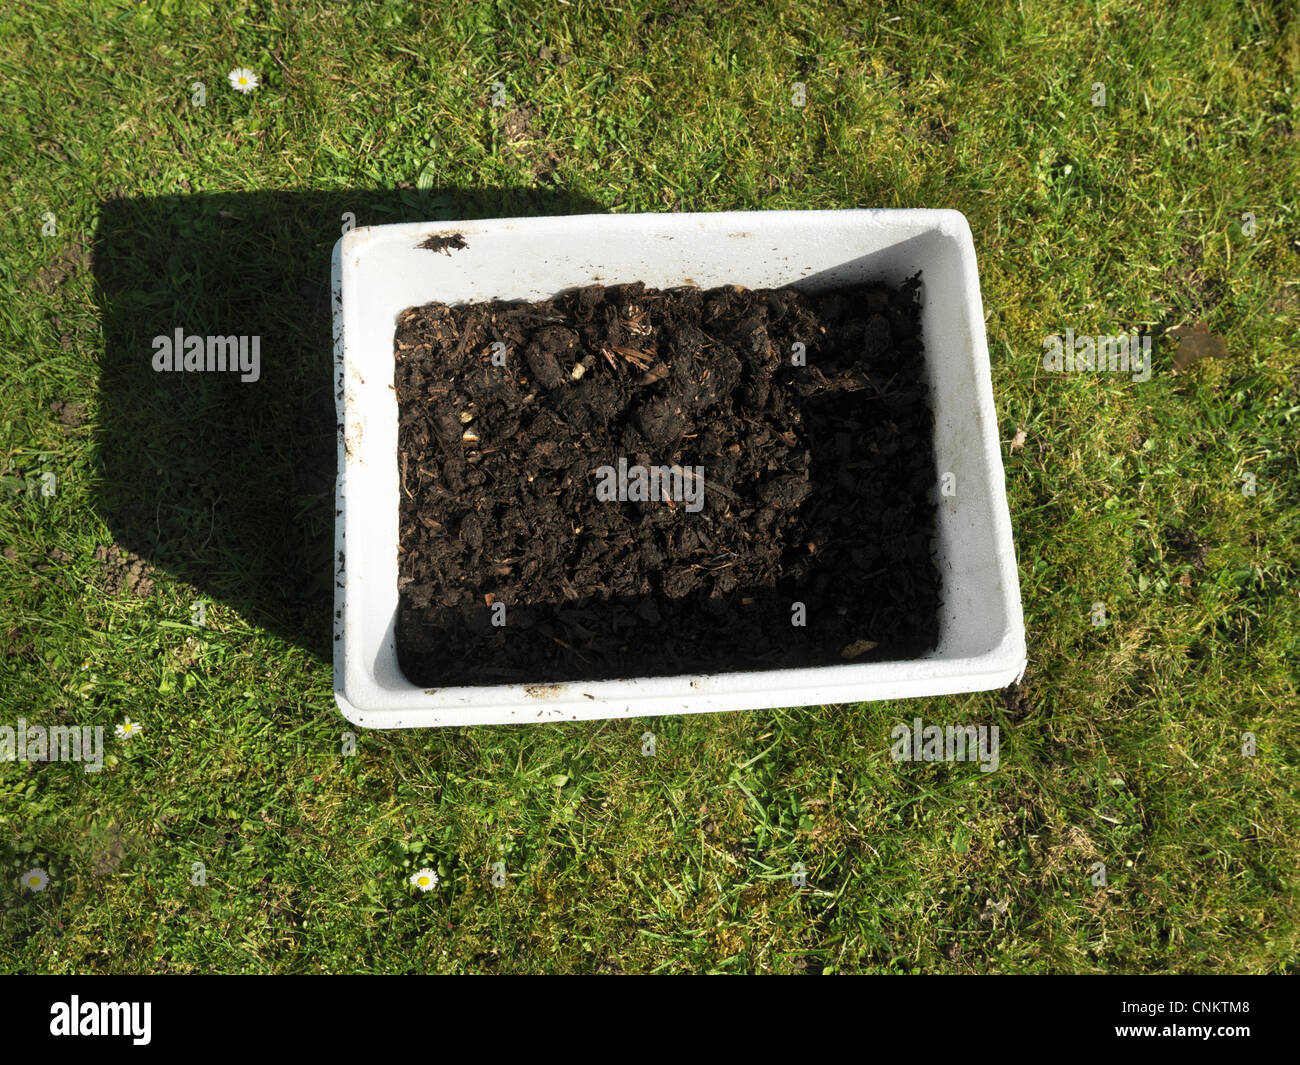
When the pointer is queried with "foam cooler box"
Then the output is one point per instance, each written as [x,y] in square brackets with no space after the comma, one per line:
[380,271]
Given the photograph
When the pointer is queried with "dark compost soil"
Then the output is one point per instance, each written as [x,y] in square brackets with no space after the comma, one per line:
[818,484]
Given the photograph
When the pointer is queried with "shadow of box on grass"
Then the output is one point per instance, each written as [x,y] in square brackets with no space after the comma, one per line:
[225,483]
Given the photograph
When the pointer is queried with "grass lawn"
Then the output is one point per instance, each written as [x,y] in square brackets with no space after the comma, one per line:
[166,547]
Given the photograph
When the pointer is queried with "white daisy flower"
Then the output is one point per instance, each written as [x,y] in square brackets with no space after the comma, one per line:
[36,879]
[243,80]
[128,729]
[424,879]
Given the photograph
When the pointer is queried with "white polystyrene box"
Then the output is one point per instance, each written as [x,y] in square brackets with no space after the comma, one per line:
[379,271]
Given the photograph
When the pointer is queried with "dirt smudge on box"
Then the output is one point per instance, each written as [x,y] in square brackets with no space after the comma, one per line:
[443,242]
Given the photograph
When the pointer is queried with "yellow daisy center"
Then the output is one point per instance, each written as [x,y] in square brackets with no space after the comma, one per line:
[34,880]
[423,880]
